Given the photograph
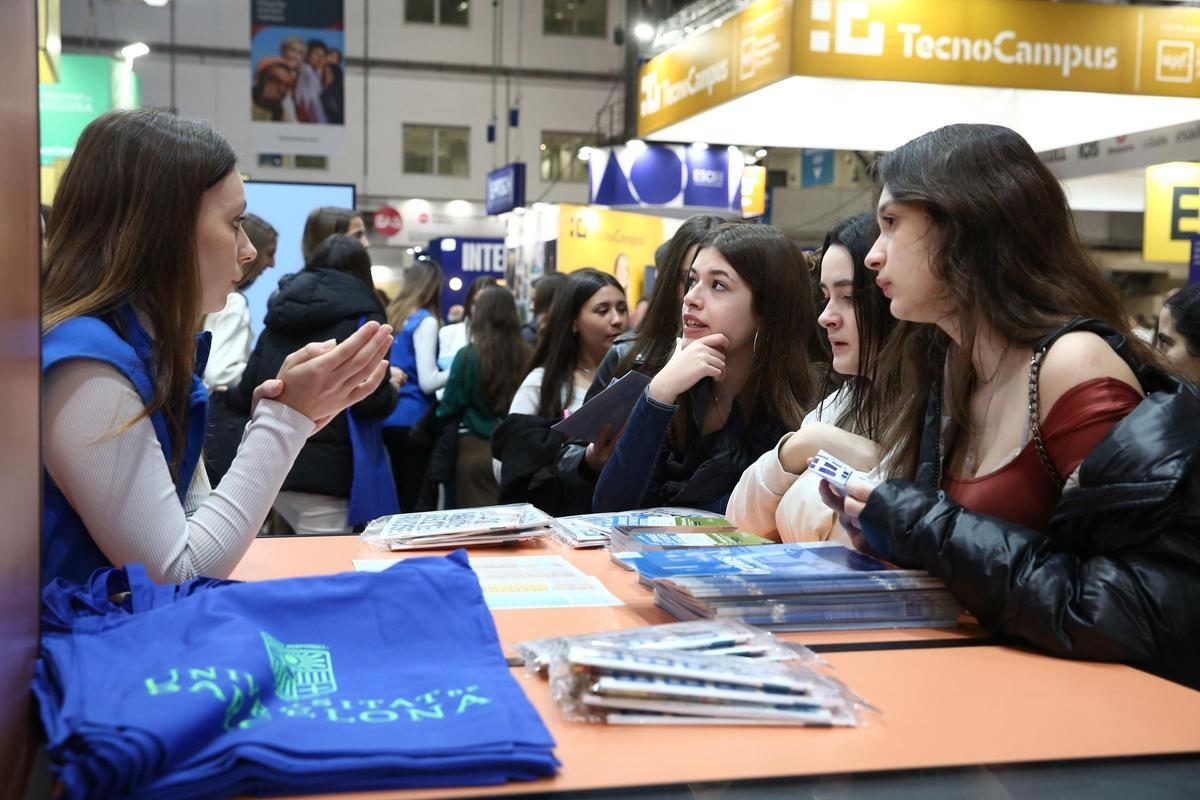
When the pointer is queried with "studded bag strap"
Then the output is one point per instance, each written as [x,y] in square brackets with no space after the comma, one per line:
[1039,444]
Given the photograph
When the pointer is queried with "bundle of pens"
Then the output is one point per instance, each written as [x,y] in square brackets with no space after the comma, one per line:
[692,673]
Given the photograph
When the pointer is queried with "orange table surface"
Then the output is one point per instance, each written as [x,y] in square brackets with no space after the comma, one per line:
[290,556]
[941,706]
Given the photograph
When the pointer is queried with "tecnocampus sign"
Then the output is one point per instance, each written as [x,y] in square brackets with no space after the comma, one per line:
[998,43]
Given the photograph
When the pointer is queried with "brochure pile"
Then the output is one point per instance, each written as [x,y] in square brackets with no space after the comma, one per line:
[593,530]
[691,674]
[795,587]
[457,527]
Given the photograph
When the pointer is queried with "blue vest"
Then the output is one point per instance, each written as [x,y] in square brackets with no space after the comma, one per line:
[67,548]
[413,403]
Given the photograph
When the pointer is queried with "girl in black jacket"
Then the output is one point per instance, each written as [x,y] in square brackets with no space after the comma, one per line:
[1058,505]
[328,299]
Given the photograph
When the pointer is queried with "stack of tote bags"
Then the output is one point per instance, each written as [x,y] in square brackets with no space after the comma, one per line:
[334,683]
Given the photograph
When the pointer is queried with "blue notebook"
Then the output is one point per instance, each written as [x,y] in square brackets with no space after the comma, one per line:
[809,560]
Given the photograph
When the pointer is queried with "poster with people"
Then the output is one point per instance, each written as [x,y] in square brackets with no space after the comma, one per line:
[297,76]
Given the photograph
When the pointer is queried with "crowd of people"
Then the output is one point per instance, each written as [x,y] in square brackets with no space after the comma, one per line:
[955,344]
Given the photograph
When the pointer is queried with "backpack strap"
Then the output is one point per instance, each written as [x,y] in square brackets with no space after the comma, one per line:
[1115,340]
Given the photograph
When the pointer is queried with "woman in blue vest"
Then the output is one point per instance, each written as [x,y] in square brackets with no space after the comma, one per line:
[147,239]
[414,315]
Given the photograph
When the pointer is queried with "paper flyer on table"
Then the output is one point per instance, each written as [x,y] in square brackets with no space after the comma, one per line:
[515,582]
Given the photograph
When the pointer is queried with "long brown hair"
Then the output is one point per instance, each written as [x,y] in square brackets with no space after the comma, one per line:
[322,223]
[124,232]
[873,392]
[783,380]
[1004,248]
[422,288]
[660,327]
[342,253]
[499,348]
[557,350]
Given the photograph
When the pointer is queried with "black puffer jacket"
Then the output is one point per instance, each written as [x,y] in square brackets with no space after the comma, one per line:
[314,306]
[1116,577]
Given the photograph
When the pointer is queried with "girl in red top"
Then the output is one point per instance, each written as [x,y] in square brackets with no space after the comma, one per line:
[976,242]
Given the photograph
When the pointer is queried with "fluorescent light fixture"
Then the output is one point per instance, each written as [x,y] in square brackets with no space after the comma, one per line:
[455,283]
[644,31]
[131,51]
[156,3]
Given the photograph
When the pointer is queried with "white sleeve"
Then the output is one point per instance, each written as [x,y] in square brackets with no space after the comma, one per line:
[525,401]
[758,493]
[231,343]
[119,483]
[425,343]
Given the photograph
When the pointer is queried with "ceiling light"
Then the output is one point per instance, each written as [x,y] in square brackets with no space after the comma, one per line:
[760,153]
[644,31]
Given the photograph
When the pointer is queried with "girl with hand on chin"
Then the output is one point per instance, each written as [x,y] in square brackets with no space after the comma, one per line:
[737,381]
[148,238]
[777,497]
[1049,461]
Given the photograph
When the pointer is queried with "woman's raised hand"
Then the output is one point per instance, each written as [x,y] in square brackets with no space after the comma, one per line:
[323,378]
[693,361]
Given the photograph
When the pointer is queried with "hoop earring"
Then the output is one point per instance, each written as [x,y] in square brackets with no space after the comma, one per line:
[754,345]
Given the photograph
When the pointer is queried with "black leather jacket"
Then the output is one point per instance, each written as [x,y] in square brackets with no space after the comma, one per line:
[1116,577]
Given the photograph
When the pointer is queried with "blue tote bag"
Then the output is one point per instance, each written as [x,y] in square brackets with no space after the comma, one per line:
[297,685]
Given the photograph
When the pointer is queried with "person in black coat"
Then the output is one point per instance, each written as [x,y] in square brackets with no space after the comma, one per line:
[329,299]
[1044,462]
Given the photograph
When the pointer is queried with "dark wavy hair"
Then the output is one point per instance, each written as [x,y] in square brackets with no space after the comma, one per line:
[322,223]
[873,391]
[557,350]
[125,216]
[660,327]
[343,253]
[1005,250]
[783,379]
[1185,312]
[500,350]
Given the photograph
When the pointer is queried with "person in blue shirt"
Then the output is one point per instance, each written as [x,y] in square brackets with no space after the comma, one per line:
[739,378]
[147,238]
[414,315]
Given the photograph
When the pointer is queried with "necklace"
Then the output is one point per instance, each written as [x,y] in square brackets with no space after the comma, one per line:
[585,370]
[977,438]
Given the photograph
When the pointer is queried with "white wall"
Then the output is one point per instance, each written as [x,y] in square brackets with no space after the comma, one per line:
[217,88]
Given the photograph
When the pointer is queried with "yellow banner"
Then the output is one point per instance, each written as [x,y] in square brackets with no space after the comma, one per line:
[615,242]
[754,191]
[1005,43]
[748,51]
[1172,215]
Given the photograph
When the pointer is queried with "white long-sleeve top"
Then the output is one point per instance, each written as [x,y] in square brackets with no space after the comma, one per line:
[425,347]
[119,483]
[772,502]
[232,340]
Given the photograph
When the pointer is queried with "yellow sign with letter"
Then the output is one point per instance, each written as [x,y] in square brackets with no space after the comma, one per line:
[616,242]
[1005,43]
[1002,43]
[1172,215]
[750,50]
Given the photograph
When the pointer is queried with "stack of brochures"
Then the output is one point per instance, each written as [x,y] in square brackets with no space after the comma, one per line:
[487,525]
[593,530]
[708,673]
[795,587]
[712,637]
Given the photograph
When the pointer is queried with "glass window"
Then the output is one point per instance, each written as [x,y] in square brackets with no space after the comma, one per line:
[292,161]
[454,12]
[433,150]
[575,18]
[559,157]
[452,155]
[438,12]
[419,11]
